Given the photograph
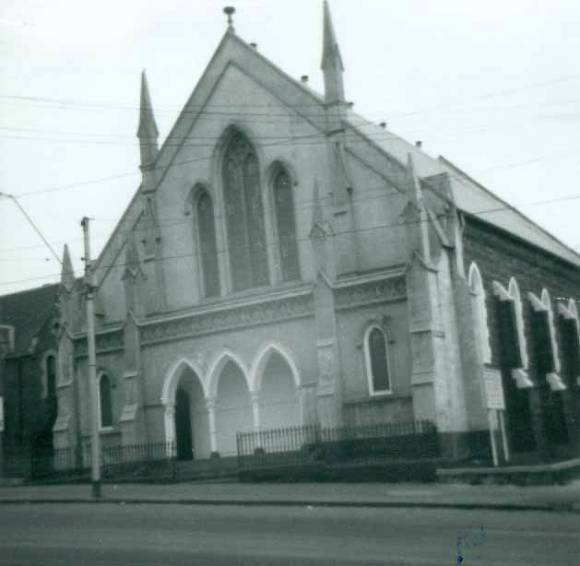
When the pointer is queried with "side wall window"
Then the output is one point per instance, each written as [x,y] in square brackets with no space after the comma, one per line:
[479,310]
[105,401]
[570,342]
[377,360]
[511,330]
[49,385]
[545,343]
[207,245]
[285,222]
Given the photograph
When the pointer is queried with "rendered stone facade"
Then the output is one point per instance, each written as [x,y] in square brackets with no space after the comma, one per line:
[285,263]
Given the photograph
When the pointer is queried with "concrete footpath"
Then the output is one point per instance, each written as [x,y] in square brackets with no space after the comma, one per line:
[564,498]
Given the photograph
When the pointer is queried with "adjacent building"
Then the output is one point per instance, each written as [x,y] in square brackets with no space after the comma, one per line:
[28,366]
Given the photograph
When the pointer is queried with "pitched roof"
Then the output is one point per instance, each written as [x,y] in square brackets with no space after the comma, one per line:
[27,312]
[469,195]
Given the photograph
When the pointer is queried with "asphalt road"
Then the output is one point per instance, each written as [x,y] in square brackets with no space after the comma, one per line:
[112,534]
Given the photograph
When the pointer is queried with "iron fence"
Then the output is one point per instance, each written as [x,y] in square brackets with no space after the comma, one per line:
[75,463]
[313,444]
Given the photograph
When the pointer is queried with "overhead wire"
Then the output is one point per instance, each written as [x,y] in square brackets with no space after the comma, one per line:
[290,114]
[268,244]
[32,223]
[196,108]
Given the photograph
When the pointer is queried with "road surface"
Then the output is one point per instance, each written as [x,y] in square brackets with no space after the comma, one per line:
[160,534]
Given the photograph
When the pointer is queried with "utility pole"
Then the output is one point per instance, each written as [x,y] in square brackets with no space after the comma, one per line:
[92,364]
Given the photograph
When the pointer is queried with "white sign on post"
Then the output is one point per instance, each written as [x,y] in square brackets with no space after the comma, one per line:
[494,396]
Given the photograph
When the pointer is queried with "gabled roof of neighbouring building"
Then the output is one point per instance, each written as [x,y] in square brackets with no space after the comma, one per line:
[27,312]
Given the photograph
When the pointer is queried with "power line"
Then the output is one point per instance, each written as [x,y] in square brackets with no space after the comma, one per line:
[62,102]
[379,192]
[33,224]
[356,138]
[271,244]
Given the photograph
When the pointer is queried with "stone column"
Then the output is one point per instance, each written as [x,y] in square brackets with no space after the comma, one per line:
[210,406]
[170,429]
[255,397]
[301,396]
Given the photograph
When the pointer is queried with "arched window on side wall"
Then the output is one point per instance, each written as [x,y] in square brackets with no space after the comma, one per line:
[50,375]
[512,333]
[544,335]
[286,225]
[570,342]
[479,309]
[377,360]
[244,214]
[207,245]
[49,382]
[105,401]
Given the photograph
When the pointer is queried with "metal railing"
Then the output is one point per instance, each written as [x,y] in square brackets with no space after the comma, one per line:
[70,463]
[311,444]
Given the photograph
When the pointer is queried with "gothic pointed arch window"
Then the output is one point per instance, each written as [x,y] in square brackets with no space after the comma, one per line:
[376,347]
[105,401]
[244,214]
[570,342]
[206,237]
[49,376]
[285,224]
[511,331]
[479,309]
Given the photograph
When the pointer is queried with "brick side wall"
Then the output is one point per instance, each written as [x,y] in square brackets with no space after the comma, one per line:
[499,257]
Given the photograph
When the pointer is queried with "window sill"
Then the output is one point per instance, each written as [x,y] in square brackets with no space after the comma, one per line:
[377,398]
[386,393]
[107,430]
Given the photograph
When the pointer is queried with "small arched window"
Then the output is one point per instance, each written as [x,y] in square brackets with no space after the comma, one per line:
[50,372]
[207,245]
[105,401]
[377,360]
[285,222]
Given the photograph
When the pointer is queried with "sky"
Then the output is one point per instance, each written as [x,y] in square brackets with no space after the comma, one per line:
[493,86]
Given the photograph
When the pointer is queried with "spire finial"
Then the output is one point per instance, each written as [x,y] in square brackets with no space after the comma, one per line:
[147,125]
[331,60]
[330,49]
[147,131]
[229,11]
[67,277]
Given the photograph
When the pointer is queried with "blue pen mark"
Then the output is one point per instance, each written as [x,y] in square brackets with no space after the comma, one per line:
[467,540]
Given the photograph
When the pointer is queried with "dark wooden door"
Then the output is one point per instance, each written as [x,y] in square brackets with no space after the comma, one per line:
[183,425]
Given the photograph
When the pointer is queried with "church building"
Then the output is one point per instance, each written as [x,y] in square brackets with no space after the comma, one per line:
[286,262]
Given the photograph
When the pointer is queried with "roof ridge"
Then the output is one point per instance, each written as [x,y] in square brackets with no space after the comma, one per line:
[510,207]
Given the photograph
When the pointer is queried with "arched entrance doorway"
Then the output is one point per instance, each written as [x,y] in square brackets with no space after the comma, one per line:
[186,416]
[279,403]
[233,408]
[183,431]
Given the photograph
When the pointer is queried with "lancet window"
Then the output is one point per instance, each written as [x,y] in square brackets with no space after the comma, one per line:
[105,401]
[286,225]
[207,244]
[244,215]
